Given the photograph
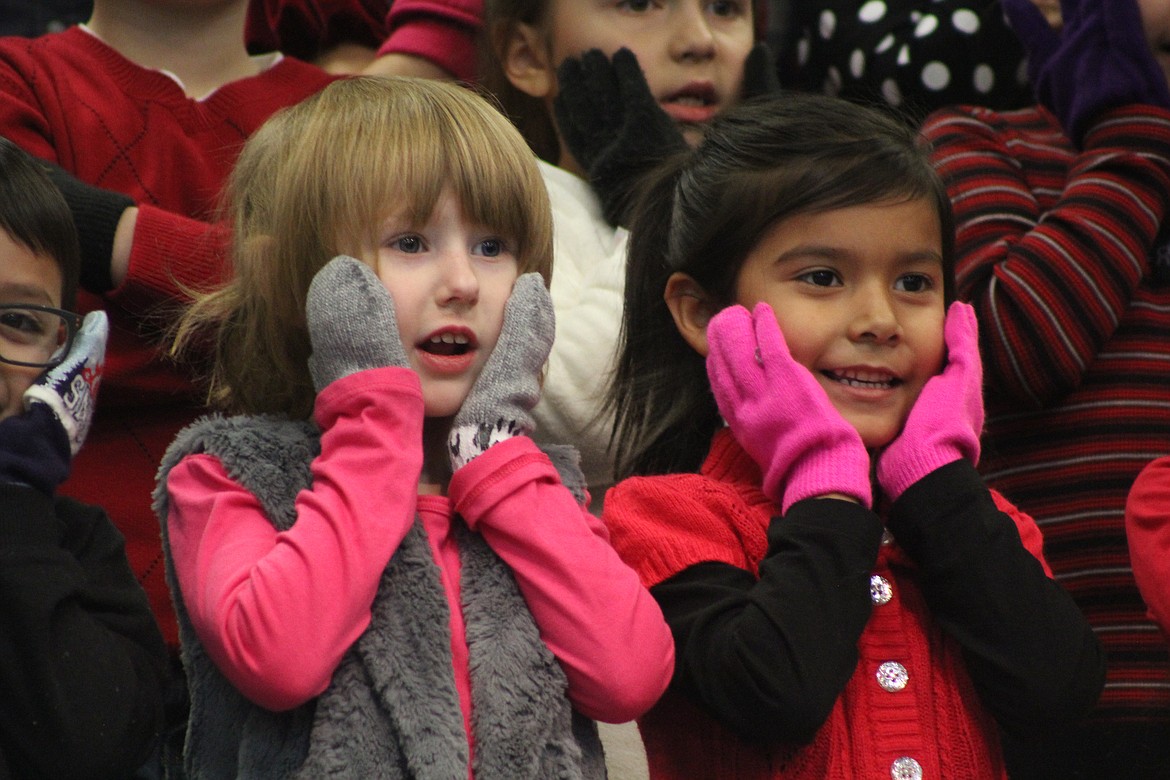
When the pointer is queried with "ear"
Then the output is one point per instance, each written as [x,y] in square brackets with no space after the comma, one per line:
[527,62]
[692,309]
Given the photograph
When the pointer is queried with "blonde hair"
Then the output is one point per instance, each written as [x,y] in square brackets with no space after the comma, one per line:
[315,181]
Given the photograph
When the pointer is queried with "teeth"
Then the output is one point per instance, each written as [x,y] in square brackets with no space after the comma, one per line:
[854,380]
[449,338]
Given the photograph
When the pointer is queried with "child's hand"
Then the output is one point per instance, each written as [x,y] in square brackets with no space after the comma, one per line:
[351,321]
[37,447]
[69,389]
[613,125]
[1099,60]
[499,404]
[946,420]
[759,72]
[780,413]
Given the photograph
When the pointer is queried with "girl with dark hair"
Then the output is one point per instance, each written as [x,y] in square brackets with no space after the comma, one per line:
[798,408]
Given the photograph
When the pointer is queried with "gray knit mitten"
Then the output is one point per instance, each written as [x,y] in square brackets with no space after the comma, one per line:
[352,326]
[500,403]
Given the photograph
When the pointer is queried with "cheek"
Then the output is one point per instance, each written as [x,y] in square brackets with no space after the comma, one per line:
[13,382]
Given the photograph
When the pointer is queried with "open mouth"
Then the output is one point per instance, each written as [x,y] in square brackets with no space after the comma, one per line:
[863,381]
[447,344]
[694,104]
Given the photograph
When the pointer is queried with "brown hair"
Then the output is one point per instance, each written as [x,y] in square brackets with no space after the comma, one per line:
[34,214]
[315,181]
[529,114]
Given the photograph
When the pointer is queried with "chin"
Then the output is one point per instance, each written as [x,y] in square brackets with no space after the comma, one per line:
[876,438]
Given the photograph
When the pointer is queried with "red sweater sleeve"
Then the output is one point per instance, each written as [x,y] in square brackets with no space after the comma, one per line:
[1051,244]
[604,628]
[442,31]
[276,611]
[1147,525]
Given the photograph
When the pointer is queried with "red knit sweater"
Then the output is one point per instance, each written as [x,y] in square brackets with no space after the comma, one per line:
[69,98]
[665,524]
[1054,250]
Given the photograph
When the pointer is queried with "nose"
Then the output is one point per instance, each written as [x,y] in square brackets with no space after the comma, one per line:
[458,282]
[875,319]
[692,39]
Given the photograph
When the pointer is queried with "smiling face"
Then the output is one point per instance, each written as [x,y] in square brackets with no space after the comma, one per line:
[450,280]
[858,294]
[25,278]
[692,52]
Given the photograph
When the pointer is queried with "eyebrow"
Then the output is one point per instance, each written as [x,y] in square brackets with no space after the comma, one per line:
[835,253]
[16,292]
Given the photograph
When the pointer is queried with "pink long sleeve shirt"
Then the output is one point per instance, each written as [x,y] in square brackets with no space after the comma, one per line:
[277,610]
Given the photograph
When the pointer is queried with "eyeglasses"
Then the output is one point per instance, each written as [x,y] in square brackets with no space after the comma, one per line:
[35,336]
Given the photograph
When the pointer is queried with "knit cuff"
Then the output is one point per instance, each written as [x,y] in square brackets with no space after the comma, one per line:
[96,213]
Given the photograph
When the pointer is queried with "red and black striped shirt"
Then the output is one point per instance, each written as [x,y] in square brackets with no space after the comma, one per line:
[1055,249]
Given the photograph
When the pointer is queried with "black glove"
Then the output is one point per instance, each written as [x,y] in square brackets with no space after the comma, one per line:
[760,76]
[613,125]
[95,214]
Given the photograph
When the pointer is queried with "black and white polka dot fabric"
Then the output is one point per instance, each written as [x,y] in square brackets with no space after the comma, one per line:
[915,55]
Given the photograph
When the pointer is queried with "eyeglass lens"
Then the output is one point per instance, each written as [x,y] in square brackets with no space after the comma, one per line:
[32,336]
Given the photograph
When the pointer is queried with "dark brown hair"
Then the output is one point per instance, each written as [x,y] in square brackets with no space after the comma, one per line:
[703,211]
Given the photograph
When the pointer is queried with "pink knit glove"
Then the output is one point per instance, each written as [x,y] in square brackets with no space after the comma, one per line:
[947,418]
[780,413]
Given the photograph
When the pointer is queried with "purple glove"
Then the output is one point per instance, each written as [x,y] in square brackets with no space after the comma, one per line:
[37,447]
[947,418]
[1100,60]
[780,413]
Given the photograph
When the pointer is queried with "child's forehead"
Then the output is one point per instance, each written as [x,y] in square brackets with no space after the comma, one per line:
[27,277]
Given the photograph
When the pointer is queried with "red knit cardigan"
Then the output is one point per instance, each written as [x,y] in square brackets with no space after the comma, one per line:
[662,525]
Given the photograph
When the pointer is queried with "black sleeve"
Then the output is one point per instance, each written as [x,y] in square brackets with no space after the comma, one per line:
[82,662]
[1030,652]
[768,657]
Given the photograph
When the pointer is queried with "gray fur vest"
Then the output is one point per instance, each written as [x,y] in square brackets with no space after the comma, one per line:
[391,710]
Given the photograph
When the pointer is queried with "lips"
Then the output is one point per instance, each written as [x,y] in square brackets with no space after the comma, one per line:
[696,103]
[449,350]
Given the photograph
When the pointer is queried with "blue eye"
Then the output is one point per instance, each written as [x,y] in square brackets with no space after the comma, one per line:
[491,247]
[407,244]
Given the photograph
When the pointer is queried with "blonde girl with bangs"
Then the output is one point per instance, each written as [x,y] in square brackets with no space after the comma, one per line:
[376,571]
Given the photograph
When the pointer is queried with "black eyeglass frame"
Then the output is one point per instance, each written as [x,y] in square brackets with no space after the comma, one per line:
[72,325]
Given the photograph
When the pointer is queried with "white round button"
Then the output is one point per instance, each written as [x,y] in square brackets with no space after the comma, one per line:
[892,676]
[906,768]
[880,591]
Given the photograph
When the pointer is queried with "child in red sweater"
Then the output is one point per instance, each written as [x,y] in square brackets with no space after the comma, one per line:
[145,109]
[848,599]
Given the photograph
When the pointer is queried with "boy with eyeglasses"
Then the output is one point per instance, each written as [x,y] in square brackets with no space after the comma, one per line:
[82,662]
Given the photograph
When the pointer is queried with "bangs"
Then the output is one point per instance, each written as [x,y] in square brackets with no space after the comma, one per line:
[412,143]
[756,198]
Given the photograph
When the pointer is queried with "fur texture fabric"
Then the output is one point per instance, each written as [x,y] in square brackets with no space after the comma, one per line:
[392,710]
